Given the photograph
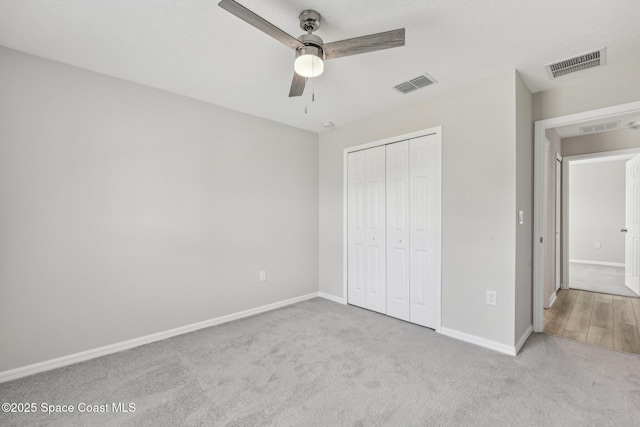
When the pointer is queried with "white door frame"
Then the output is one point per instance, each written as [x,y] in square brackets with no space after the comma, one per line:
[569,161]
[557,233]
[437,131]
[539,249]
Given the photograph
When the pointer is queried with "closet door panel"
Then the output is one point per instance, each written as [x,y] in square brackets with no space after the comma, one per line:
[356,229]
[423,229]
[398,272]
[375,236]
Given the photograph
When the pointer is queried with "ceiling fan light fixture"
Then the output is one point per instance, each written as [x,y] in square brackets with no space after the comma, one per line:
[309,61]
[311,51]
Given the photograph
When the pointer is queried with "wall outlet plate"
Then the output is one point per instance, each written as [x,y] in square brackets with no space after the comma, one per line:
[263,275]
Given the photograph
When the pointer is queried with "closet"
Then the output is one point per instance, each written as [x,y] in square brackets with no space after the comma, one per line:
[393,229]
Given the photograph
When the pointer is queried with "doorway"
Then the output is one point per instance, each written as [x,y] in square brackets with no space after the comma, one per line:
[544,199]
[596,204]
[592,197]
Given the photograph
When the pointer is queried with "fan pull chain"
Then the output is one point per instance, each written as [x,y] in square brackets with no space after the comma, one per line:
[313,87]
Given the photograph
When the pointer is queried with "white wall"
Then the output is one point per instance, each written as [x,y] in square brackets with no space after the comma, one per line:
[597,211]
[126,211]
[478,199]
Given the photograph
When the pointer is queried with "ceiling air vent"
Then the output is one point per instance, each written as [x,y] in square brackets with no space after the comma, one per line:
[576,63]
[415,84]
[406,87]
[602,127]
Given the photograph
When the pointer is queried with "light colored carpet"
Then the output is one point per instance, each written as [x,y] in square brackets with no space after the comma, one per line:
[598,278]
[318,363]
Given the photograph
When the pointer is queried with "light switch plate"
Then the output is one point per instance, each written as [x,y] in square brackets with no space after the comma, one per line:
[491,297]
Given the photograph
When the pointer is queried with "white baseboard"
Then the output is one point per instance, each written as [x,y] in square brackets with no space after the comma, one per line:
[608,264]
[523,339]
[482,342]
[333,298]
[59,362]
[552,299]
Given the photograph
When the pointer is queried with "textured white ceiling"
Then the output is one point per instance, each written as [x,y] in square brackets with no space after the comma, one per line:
[195,48]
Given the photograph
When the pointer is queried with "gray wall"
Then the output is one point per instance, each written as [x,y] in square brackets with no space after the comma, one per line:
[524,202]
[126,211]
[619,86]
[478,199]
[599,142]
[597,211]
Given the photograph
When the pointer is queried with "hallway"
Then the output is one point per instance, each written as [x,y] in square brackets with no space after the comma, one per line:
[608,321]
[598,278]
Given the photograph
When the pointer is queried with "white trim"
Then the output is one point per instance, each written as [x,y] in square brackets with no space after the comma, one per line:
[602,156]
[59,362]
[608,264]
[437,131]
[332,298]
[386,141]
[564,284]
[558,224]
[345,223]
[602,159]
[523,339]
[482,342]
[539,250]
[552,299]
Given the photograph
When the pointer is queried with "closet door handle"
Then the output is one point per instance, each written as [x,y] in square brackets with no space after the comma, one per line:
[624,230]
[373,237]
[399,240]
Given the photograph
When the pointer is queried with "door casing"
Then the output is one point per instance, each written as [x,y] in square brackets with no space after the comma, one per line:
[540,204]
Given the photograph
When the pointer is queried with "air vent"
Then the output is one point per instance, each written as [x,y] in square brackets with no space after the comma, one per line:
[577,63]
[415,84]
[602,127]
[406,87]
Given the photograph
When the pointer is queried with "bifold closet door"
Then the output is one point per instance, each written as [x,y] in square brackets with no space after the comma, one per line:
[412,227]
[366,258]
[424,229]
[398,267]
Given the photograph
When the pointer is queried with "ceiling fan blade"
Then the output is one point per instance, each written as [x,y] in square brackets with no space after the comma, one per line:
[260,23]
[297,85]
[358,45]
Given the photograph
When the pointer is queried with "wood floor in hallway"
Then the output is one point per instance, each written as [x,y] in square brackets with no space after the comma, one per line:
[608,321]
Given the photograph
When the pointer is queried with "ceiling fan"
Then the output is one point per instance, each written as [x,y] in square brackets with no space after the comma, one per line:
[311,51]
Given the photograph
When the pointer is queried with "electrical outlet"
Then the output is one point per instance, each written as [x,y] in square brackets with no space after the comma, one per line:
[263,275]
[491,297]
[597,245]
